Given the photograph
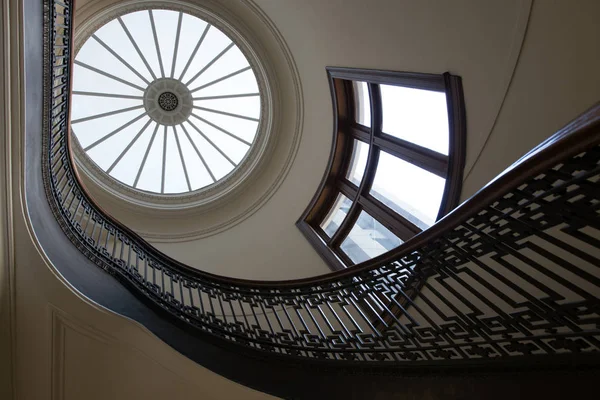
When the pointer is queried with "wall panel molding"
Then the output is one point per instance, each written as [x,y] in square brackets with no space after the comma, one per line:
[10,57]
[74,349]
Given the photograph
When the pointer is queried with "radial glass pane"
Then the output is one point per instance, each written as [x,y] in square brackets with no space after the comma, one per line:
[164,102]
[362,103]
[416,115]
[127,168]
[151,175]
[360,153]
[413,192]
[367,239]
[336,215]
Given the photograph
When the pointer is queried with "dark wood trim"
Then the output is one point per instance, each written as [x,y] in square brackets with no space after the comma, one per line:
[324,196]
[389,218]
[346,130]
[408,79]
[339,158]
[422,157]
[346,226]
[322,250]
[348,189]
[358,131]
[457,124]
[369,174]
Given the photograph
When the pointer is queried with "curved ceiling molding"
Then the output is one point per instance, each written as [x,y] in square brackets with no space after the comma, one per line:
[519,33]
[227,203]
[89,159]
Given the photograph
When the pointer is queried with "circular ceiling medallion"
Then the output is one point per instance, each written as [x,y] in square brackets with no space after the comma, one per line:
[165,102]
[168,102]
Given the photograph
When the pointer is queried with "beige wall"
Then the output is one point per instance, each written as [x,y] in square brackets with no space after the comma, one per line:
[527,70]
[71,349]
[556,79]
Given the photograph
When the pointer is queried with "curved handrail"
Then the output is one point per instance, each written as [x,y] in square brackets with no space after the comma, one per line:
[511,272]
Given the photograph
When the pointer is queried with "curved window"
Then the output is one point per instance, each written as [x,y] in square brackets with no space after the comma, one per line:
[397,163]
[164,102]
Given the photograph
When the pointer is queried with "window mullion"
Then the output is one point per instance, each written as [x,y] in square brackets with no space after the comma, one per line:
[342,256]
[347,189]
[376,122]
[346,226]
[395,222]
[367,180]
[429,160]
[359,132]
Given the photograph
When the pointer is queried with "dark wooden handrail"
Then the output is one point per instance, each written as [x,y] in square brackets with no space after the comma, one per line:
[580,134]
[512,273]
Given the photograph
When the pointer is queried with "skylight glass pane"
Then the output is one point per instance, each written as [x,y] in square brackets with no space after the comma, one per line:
[368,239]
[88,132]
[244,106]
[336,215]
[96,105]
[96,55]
[191,32]
[197,172]
[236,150]
[358,163]
[230,62]
[215,160]
[362,103]
[413,192]
[416,115]
[173,71]
[175,181]
[138,24]
[150,178]
[127,168]
[214,43]
[239,127]
[166,31]
[244,82]
[106,152]
[90,81]
[115,37]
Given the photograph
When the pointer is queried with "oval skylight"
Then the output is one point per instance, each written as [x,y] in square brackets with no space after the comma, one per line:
[164,102]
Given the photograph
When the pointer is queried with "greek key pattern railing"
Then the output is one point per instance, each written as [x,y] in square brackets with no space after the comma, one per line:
[517,276]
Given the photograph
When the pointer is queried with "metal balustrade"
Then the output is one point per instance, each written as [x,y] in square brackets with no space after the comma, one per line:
[512,273]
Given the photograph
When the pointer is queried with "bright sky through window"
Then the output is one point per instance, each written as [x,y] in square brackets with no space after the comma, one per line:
[416,115]
[164,102]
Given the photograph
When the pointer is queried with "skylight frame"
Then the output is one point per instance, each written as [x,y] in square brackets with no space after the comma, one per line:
[238,171]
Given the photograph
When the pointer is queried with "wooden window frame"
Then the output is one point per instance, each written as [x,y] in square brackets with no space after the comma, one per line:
[346,129]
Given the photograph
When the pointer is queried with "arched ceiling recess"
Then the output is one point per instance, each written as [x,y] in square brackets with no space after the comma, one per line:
[238,193]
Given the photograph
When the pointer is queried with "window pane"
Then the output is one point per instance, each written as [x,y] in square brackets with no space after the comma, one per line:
[416,115]
[358,162]
[336,215]
[362,103]
[368,239]
[411,191]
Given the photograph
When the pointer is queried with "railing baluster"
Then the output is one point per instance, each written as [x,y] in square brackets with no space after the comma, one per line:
[519,274]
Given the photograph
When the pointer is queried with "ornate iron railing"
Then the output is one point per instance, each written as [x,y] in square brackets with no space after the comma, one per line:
[514,271]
